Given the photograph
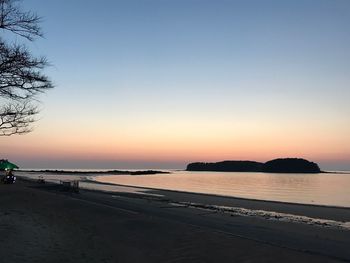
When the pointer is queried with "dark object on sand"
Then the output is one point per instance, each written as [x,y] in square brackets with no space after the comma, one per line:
[287,165]
[41,180]
[9,178]
[70,186]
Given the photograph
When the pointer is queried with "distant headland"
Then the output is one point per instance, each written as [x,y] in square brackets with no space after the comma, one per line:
[112,172]
[281,165]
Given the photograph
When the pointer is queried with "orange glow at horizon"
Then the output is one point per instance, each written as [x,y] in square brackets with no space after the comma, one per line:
[191,142]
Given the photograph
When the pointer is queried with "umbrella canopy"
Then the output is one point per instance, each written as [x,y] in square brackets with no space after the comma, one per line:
[4,164]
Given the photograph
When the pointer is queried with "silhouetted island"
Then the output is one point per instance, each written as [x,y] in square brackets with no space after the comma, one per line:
[227,166]
[291,165]
[282,165]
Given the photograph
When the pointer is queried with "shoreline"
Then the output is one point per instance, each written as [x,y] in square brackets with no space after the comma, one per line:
[97,226]
[261,211]
[225,203]
[216,195]
[160,191]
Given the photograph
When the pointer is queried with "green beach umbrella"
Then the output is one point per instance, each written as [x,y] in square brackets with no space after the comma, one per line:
[4,164]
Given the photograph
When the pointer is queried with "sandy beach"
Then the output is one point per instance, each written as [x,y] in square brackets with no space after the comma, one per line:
[40,223]
[174,131]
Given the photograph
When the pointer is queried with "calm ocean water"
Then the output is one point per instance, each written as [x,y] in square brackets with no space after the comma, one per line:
[322,189]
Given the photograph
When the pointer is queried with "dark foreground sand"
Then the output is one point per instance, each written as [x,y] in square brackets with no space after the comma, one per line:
[39,223]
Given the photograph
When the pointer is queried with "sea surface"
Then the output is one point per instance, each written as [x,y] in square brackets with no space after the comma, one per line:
[331,189]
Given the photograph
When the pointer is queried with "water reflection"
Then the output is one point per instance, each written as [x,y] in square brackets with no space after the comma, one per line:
[323,189]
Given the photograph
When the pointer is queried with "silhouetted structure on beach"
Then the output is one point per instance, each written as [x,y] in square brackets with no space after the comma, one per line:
[286,165]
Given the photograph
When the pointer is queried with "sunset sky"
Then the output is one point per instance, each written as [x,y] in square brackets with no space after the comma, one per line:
[158,84]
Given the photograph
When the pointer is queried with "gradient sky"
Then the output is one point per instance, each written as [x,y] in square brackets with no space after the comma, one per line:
[148,84]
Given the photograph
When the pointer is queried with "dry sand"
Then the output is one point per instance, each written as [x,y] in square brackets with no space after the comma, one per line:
[39,223]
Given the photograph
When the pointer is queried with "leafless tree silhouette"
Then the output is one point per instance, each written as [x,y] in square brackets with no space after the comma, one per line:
[21,74]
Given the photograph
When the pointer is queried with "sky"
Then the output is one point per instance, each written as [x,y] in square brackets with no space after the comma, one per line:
[159,84]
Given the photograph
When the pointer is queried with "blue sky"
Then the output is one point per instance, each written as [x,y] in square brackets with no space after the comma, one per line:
[274,68]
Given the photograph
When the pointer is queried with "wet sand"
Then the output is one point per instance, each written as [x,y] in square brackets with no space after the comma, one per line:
[40,223]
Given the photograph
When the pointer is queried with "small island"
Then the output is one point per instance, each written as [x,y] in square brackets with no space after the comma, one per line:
[281,165]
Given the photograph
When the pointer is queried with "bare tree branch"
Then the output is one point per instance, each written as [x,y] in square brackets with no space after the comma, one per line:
[24,24]
[21,74]
[16,118]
